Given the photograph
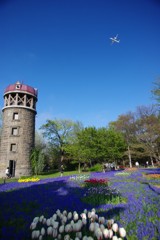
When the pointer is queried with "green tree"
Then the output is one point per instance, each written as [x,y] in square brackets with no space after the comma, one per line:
[87,144]
[59,133]
[37,161]
[126,125]
[156,90]
[148,130]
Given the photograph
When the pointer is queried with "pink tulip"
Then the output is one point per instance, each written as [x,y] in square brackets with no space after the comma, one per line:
[83,216]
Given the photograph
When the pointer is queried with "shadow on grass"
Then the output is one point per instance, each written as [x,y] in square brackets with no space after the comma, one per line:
[18,207]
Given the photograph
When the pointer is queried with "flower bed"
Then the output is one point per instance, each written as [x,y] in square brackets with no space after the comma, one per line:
[69,226]
[139,216]
[28,180]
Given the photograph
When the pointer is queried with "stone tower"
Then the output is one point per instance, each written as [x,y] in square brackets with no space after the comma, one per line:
[18,130]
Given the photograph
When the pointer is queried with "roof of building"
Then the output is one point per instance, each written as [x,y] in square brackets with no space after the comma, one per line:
[20,87]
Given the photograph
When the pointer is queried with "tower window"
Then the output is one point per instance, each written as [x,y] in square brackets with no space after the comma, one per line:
[18,86]
[14,131]
[15,116]
[13,147]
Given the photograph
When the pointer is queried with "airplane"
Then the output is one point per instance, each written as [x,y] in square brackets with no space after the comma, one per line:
[114,39]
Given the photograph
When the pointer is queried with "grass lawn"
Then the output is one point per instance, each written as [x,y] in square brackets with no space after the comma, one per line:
[132,199]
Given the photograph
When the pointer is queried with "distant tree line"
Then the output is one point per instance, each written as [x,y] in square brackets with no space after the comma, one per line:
[134,136]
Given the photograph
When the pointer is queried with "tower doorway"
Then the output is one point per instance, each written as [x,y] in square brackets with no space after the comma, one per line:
[12,167]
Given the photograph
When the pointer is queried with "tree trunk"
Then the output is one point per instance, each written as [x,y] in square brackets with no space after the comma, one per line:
[152,161]
[129,156]
[79,167]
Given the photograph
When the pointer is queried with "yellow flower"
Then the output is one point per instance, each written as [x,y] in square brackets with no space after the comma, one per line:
[28,180]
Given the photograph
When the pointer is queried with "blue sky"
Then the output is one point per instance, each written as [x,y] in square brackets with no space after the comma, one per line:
[62,47]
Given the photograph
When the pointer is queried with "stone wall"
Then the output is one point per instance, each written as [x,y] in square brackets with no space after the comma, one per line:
[17,140]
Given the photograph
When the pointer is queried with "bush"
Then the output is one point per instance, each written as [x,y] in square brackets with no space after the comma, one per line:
[96,168]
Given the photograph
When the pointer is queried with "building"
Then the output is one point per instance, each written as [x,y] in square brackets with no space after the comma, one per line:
[18,129]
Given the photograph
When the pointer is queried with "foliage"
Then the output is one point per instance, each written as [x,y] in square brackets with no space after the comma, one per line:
[125,125]
[156,90]
[60,133]
[96,168]
[37,161]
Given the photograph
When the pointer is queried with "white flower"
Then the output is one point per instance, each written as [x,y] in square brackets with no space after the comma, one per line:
[55,225]
[109,223]
[101,220]
[58,212]
[115,227]
[93,210]
[90,238]
[79,235]
[64,219]
[65,213]
[33,234]
[40,237]
[77,238]
[89,214]
[37,234]
[41,218]
[36,219]
[72,223]
[48,222]
[105,233]
[68,228]
[84,221]
[44,221]
[85,211]
[75,216]
[98,233]
[122,232]
[83,216]
[69,215]
[33,225]
[54,216]
[92,227]
[102,227]
[61,229]
[110,233]
[85,238]
[80,223]
[43,231]
[67,237]
[59,236]
[114,238]
[78,226]
[49,230]
[54,232]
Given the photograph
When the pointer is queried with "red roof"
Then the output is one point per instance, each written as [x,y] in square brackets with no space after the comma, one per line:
[18,87]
